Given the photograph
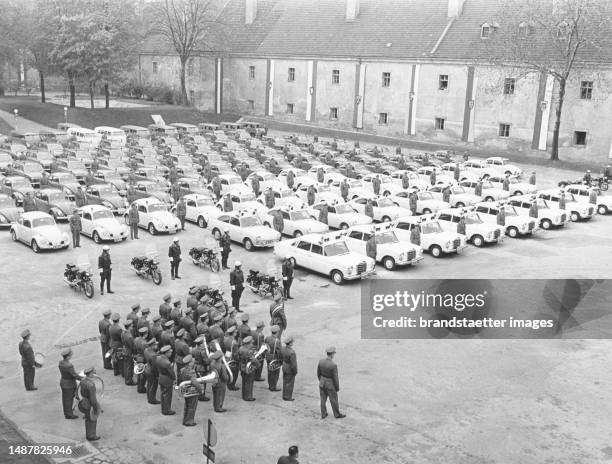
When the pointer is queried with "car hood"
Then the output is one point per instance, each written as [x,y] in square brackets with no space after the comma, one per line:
[350,259]
[312,225]
[396,248]
[66,207]
[79,171]
[397,211]
[355,218]
[482,228]
[110,224]
[163,196]
[164,216]
[265,233]
[442,237]
[11,214]
[115,200]
[51,233]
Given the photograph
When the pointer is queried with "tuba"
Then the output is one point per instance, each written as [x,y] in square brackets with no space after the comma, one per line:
[186,389]
[250,367]
[227,367]
[139,368]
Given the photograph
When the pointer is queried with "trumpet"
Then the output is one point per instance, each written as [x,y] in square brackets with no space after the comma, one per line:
[227,367]
[250,367]
[186,389]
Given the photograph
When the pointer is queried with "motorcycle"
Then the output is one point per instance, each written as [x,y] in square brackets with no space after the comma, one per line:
[202,256]
[599,182]
[147,266]
[263,284]
[79,279]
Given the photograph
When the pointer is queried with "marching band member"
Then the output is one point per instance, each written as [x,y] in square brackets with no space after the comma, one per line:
[259,339]
[191,402]
[116,344]
[151,373]
[128,345]
[246,353]
[219,388]
[273,354]
[290,368]
[89,404]
[103,327]
[166,379]
[201,362]
[68,383]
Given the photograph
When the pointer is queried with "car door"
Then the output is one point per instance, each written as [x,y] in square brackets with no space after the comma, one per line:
[356,241]
[289,226]
[318,262]
[143,216]
[87,225]
[191,210]
[237,233]
[26,233]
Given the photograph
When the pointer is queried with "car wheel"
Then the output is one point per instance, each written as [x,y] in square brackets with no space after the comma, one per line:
[217,234]
[518,192]
[152,230]
[297,234]
[478,241]
[344,226]
[337,277]
[14,236]
[489,199]
[248,244]
[267,224]
[435,251]
[386,219]
[574,216]
[426,211]
[202,222]
[389,263]
[513,232]
[386,193]
[602,209]
[96,237]
[35,247]
[460,205]
[546,224]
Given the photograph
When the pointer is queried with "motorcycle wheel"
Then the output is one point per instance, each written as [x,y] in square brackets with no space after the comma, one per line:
[89,289]
[215,266]
[156,276]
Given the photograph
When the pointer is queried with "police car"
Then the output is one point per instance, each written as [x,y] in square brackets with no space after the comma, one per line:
[442,178]
[323,192]
[414,180]
[390,251]
[459,196]
[500,165]
[266,179]
[282,197]
[477,231]
[297,221]
[577,211]
[339,214]
[384,209]
[245,228]
[356,188]
[426,202]
[515,224]
[434,239]
[328,255]
[549,214]
[582,194]
[39,231]
[155,217]
[232,183]
[99,223]
[387,186]
[330,173]
[489,191]
[301,177]
[199,208]
[516,186]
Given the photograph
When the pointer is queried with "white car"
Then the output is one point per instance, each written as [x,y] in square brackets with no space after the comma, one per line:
[356,188]
[384,209]
[297,221]
[328,255]
[199,208]
[426,202]
[99,223]
[489,191]
[434,239]
[301,176]
[282,197]
[323,192]
[578,211]
[266,179]
[245,228]
[516,224]
[442,178]
[232,183]
[39,231]
[459,196]
[330,173]
[549,214]
[390,251]
[387,186]
[516,186]
[340,215]
[501,165]
[477,231]
[414,180]
[155,217]
[477,168]
[582,194]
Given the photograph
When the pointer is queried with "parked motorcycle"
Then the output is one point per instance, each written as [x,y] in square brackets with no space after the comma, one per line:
[599,182]
[263,284]
[147,266]
[202,256]
[79,279]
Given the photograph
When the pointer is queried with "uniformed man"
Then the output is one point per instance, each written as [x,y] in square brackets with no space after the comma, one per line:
[310,195]
[227,203]
[461,226]
[165,308]
[412,201]
[237,285]
[278,222]
[68,378]
[225,244]
[133,221]
[446,194]
[186,323]
[192,299]
[131,194]
[173,174]
[587,177]
[432,177]
[287,272]
[229,320]
[181,349]
[290,179]
[143,321]
[344,189]
[320,175]
[105,267]
[291,458]
[133,316]
[202,325]
[273,354]
[258,340]
[187,373]
[255,185]
[501,217]
[323,213]
[79,197]
[89,404]
[533,209]
[219,388]
[593,197]
[181,211]
[244,330]
[103,328]
[156,328]
[607,172]
[506,183]
[478,188]
[75,229]
[405,180]
[369,209]
[562,201]
[216,186]
[29,204]
[269,198]
[89,178]
[246,354]
[457,171]
[201,363]
[231,345]
[290,368]
[415,235]
[376,182]
[371,247]
[174,254]
[215,332]
[175,191]
[329,386]
[127,339]
[140,343]
[277,314]
[167,336]
[151,374]
[532,178]
[116,344]
[166,379]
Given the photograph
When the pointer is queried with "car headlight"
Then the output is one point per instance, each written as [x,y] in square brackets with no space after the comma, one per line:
[3,220]
[350,270]
[449,244]
[490,235]
[402,256]
[44,241]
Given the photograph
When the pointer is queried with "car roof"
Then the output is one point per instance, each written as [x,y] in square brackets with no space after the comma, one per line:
[35,214]
[149,201]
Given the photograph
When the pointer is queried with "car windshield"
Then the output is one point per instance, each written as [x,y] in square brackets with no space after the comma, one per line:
[324,188]
[43,221]
[247,197]
[103,214]
[458,190]
[54,146]
[57,196]
[344,209]
[385,203]
[250,221]
[425,196]
[386,237]
[510,211]
[44,155]
[487,185]
[106,190]
[299,215]
[336,249]
[205,202]
[20,182]
[473,218]
[356,184]
[431,228]
[67,179]
[157,207]
[32,168]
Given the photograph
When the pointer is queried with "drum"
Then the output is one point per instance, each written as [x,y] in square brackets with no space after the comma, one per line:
[39,358]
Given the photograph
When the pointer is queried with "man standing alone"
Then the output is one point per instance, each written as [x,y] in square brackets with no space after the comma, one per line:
[75,228]
[329,386]
[104,266]
[174,253]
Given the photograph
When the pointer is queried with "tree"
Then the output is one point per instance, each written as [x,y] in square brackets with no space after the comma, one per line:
[553,38]
[188,25]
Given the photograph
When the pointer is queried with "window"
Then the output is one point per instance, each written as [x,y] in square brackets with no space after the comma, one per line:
[251,104]
[440,123]
[356,235]
[251,72]
[335,76]
[386,79]
[443,82]
[155,67]
[580,138]
[333,113]
[304,246]
[291,75]
[586,90]
[190,67]
[317,249]
[382,118]
[191,95]
[509,86]
[289,108]
[485,31]
[504,130]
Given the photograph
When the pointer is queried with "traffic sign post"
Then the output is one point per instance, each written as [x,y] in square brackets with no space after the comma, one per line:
[211,440]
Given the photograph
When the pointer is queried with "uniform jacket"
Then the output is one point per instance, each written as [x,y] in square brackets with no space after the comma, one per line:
[143,322]
[376,185]
[323,215]
[405,181]
[188,373]
[258,338]
[79,196]
[174,252]
[216,333]
[104,262]
[533,210]
[501,218]
[225,243]
[287,269]
[245,354]
[150,356]
[274,348]
[103,327]
[166,373]
[269,196]
[167,338]
[290,366]
[415,235]
[327,373]
[128,342]
[133,216]
[277,315]
[201,360]
[278,222]
[344,189]
[156,331]
[27,354]
[446,193]
[244,331]
[88,390]
[369,210]
[164,311]
[237,278]
[478,189]
[182,349]
[139,345]
[222,375]
[75,223]
[68,374]
[114,333]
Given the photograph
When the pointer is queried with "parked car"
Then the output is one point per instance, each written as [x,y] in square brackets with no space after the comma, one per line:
[155,217]
[106,195]
[477,231]
[384,209]
[297,221]
[39,231]
[16,187]
[9,211]
[549,214]
[516,224]
[199,208]
[582,195]
[54,202]
[245,228]
[578,211]
[500,165]
[434,239]
[31,170]
[99,223]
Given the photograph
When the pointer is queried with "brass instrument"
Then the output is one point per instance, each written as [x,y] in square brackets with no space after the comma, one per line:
[250,367]
[98,382]
[227,367]
[186,389]
[276,363]
[139,368]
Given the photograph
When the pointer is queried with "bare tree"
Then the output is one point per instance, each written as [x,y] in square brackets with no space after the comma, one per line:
[188,26]
[550,37]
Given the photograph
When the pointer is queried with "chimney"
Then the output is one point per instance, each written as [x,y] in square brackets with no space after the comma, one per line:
[352,9]
[455,7]
[250,11]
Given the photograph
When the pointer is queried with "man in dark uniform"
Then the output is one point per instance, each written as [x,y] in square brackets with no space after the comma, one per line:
[133,316]
[244,330]
[173,174]
[415,235]
[278,222]
[104,266]
[292,458]
[133,220]
[320,175]
[103,327]
[310,195]
[187,373]
[165,308]
[323,213]
[131,193]
[287,272]
[506,183]
[174,253]
[258,340]
[371,247]
[176,314]
[532,178]
[166,379]
[277,314]
[140,343]
[533,209]
[446,194]
[457,172]
[75,229]
[201,363]
[501,217]
[219,388]
[68,378]
[181,349]
[114,333]
[167,336]
[186,323]
[181,211]
[151,374]
[290,179]
[232,346]
[413,199]
[216,187]
[246,353]
[369,209]
[344,189]
[269,198]
[329,386]
[432,177]
[255,185]
[225,245]
[478,188]
[143,321]
[290,368]
[28,362]
[127,339]
[156,328]
[227,203]
[175,191]
[89,404]
[202,325]
[562,201]
[273,354]
[461,226]
[376,185]
[79,197]
[237,285]
[215,332]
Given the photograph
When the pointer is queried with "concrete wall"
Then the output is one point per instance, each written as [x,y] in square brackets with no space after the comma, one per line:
[341,96]
[239,88]
[290,92]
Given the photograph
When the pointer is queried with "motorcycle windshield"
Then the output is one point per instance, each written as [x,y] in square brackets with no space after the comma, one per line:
[151,252]
[83,262]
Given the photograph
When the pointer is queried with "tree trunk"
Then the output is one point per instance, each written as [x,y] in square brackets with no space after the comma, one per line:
[41,80]
[106,96]
[184,98]
[91,94]
[72,90]
[554,154]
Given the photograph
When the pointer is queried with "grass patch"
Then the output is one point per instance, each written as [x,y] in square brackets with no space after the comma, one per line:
[50,114]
